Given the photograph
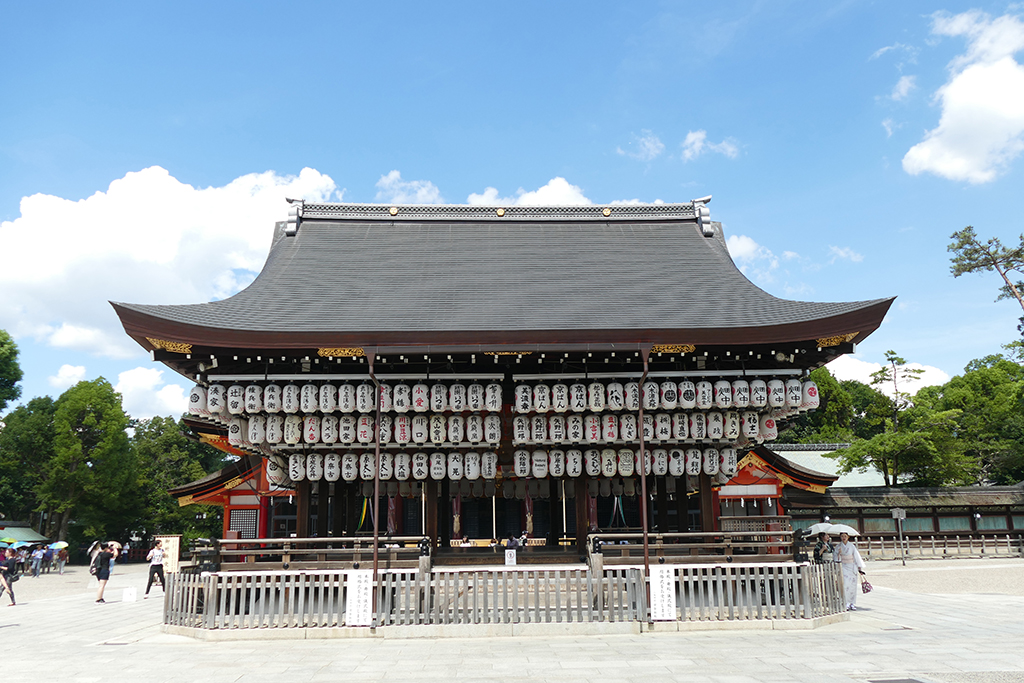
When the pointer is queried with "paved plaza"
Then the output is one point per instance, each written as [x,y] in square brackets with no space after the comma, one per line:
[956,621]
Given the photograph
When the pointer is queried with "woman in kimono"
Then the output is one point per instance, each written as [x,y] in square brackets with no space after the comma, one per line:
[847,555]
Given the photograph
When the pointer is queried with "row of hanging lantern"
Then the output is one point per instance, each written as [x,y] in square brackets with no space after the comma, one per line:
[293,430]
[732,426]
[222,402]
[538,464]
[791,395]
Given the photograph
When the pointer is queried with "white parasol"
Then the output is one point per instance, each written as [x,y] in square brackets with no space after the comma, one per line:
[836,529]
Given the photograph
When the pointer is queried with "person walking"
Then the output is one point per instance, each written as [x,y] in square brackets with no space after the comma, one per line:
[101,564]
[9,573]
[156,566]
[47,559]
[848,556]
[823,549]
[62,559]
[37,561]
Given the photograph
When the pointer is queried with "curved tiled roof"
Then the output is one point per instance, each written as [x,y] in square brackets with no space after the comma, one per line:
[423,274]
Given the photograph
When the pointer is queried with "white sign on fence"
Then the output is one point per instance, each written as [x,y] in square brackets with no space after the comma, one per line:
[510,556]
[899,513]
[663,593]
[359,606]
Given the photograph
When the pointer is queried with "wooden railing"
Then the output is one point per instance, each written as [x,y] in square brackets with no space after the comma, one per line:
[343,552]
[932,545]
[716,546]
[319,599]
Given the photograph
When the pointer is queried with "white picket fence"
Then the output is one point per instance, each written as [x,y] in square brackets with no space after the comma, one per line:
[318,599]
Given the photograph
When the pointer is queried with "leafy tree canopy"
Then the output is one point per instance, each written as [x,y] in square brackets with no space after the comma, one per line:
[10,371]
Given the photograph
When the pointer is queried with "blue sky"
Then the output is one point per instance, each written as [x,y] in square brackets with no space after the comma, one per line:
[145,149]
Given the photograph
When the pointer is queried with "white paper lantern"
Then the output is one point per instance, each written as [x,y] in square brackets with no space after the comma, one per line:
[698,426]
[556,463]
[197,401]
[347,398]
[475,396]
[609,428]
[592,428]
[296,467]
[729,462]
[277,471]
[403,429]
[236,399]
[662,426]
[577,397]
[311,429]
[694,462]
[631,396]
[365,395]
[384,429]
[420,466]
[492,428]
[524,398]
[275,429]
[776,393]
[560,398]
[592,462]
[346,429]
[364,429]
[715,425]
[438,397]
[626,463]
[648,427]
[438,428]
[616,396]
[329,429]
[216,399]
[349,467]
[455,466]
[556,428]
[705,395]
[676,462]
[574,428]
[680,426]
[731,429]
[794,394]
[290,398]
[472,465]
[456,429]
[420,428]
[257,429]
[768,430]
[723,394]
[687,395]
[521,463]
[328,398]
[647,462]
[520,429]
[712,461]
[367,466]
[292,429]
[332,466]
[740,393]
[574,462]
[489,465]
[403,466]
[420,398]
[651,395]
[385,396]
[474,429]
[659,459]
[669,395]
[539,464]
[314,467]
[542,398]
[595,396]
[539,428]
[809,399]
[758,393]
[309,398]
[610,461]
[457,397]
[492,397]
[749,424]
[401,398]
[627,427]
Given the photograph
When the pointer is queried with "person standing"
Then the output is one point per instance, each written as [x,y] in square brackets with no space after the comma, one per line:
[848,556]
[62,559]
[156,566]
[823,549]
[37,561]
[47,559]
[104,558]
[8,573]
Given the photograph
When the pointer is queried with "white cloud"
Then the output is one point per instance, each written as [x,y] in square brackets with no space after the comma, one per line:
[889,127]
[754,260]
[981,127]
[67,377]
[635,202]
[845,253]
[391,189]
[903,88]
[148,238]
[557,192]
[644,147]
[144,394]
[696,144]
[848,367]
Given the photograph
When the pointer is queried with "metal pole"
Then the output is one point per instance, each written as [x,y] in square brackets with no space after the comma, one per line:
[903,549]
[643,472]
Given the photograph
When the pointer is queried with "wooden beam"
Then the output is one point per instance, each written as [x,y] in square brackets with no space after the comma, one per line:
[302,508]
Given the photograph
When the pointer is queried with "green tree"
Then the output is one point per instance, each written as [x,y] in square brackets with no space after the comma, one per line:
[10,371]
[895,372]
[870,408]
[91,477]
[26,445]
[831,422]
[971,255]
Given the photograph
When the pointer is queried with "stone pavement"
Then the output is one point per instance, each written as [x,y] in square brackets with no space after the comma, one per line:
[935,622]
